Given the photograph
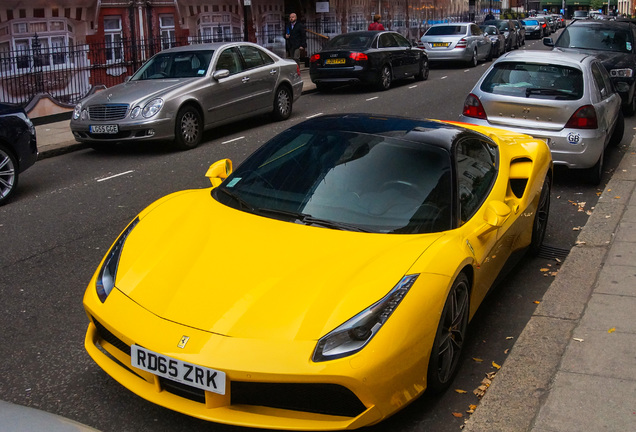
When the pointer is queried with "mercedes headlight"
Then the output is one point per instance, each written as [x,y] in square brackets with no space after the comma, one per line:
[355,334]
[106,277]
[77,111]
[152,108]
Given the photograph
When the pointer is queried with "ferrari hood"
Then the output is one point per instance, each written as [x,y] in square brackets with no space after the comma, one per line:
[196,262]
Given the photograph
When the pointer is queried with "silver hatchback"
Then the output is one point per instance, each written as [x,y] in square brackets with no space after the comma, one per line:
[566,99]
[180,92]
[464,42]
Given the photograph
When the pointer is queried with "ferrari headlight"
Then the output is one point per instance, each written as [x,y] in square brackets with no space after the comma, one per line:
[106,276]
[353,335]
[152,107]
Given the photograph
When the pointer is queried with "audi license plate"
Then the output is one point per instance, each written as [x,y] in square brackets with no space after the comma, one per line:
[177,370]
[440,44]
[336,61]
[104,129]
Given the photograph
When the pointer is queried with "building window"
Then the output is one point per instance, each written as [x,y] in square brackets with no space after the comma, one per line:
[113,39]
[166,26]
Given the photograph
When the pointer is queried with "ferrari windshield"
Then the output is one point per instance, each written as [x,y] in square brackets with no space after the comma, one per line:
[596,38]
[183,64]
[345,180]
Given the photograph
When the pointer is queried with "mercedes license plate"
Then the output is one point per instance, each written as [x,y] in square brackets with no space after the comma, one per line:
[440,44]
[177,370]
[104,129]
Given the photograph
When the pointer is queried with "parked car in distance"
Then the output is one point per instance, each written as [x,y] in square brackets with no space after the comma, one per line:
[292,285]
[613,43]
[566,99]
[534,28]
[18,148]
[580,14]
[521,32]
[509,30]
[180,92]
[461,42]
[497,39]
[368,58]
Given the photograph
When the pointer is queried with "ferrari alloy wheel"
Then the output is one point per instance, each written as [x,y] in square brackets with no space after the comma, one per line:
[188,128]
[540,223]
[282,103]
[385,78]
[8,174]
[450,336]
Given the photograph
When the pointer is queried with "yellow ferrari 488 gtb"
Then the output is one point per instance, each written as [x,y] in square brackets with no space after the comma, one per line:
[327,281]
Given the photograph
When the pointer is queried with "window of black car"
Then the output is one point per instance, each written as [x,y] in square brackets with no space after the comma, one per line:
[447,30]
[349,40]
[491,30]
[602,80]
[387,41]
[230,59]
[401,41]
[476,172]
[345,180]
[534,80]
[254,57]
[175,65]
[596,38]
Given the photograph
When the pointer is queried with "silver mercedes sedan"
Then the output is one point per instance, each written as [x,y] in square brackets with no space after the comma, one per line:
[464,42]
[567,99]
[180,92]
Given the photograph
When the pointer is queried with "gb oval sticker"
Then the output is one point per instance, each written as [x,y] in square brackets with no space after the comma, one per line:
[574,138]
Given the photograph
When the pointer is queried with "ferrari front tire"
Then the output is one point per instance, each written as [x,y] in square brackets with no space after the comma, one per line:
[450,337]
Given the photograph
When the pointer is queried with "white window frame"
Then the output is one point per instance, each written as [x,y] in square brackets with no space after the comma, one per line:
[113,37]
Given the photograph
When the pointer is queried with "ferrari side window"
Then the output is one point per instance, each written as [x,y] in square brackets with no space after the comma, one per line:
[476,168]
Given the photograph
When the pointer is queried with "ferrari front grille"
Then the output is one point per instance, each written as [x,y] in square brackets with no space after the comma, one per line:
[108,112]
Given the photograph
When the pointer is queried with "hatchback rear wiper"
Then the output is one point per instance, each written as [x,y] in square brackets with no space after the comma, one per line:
[546,91]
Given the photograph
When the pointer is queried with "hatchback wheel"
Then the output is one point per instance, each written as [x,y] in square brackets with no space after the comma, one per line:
[188,128]
[595,173]
[385,78]
[283,103]
[619,130]
[8,174]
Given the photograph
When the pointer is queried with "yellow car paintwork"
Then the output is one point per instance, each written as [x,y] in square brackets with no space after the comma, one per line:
[254,291]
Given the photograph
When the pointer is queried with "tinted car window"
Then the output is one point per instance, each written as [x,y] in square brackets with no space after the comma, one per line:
[349,40]
[387,41]
[230,60]
[365,182]
[476,172]
[446,30]
[175,65]
[602,79]
[491,30]
[401,41]
[597,38]
[254,57]
[534,81]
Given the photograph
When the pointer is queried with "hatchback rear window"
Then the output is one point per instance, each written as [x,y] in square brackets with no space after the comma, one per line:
[446,30]
[532,80]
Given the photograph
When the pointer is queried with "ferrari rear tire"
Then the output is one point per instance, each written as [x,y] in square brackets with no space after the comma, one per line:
[188,128]
[540,224]
[283,103]
[450,336]
[385,78]
[8,174]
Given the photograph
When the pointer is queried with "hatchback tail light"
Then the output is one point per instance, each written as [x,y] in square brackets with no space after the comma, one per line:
[298,69]
[583,118]
[474,108]
[463,43]
[357,56]
[314,58]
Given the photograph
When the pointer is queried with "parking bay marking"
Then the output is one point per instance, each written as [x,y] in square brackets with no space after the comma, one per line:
[116,175]
[232,140]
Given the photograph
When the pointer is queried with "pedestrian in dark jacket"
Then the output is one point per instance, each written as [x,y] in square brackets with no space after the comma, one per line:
[295,36]
[376,24]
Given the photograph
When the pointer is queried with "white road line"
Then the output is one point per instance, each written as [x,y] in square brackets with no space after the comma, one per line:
[116,175]
[315,115]
[232,140]
[413,86]
[444,77]
[370,99]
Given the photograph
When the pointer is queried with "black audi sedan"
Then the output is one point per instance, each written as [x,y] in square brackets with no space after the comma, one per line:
[369,58]
[18,148]
[614,43]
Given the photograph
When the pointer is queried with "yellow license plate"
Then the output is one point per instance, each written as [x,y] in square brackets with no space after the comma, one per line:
[439,44]
[336,61]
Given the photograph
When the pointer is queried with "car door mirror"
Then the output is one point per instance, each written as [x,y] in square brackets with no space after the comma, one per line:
[547,41]
[221,73]
[495,215]
[219,171]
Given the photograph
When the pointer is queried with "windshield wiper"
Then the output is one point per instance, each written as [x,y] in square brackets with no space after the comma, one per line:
[546,92]
[242,203]
[308,219]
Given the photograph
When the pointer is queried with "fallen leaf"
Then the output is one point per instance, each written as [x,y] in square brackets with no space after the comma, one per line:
[478,360]
[577,228]
[578,339]
[544,269]
[612,330]
[509,337]
[472,407]
[458,415]
[617,197]
[495,365]
[460,391]
[537,302]
[507,351]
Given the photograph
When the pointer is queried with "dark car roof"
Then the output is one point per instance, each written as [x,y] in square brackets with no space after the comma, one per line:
[10,109]
[602,23]
[416,130]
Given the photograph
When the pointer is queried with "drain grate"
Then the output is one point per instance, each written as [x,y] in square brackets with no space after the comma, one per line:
[552,252]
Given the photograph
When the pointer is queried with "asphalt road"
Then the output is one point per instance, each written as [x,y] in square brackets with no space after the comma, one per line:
[70,208]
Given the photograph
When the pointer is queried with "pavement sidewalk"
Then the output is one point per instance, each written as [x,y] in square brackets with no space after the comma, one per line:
[573,368]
